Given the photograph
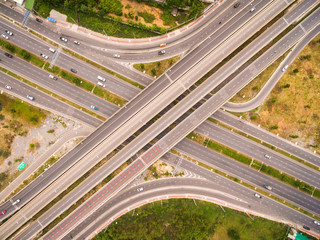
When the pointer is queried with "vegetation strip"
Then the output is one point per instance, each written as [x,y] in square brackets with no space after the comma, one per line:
[254,164]
[138,85]
[306,163]
[90,87]
[268,194]
[52,94]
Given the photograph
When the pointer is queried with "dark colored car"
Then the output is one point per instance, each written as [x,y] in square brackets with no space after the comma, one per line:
[8,55]
[73,70]
[39,20]
[237,5]
[306,227]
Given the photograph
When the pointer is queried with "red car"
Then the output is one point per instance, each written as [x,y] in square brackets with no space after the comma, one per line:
[3,212]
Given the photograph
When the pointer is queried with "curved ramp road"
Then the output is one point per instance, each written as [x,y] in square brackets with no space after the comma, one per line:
[267,88]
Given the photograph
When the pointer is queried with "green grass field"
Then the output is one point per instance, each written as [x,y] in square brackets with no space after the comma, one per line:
[182,219]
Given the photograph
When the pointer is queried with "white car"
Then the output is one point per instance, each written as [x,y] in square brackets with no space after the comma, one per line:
[267,156]
[257,195]
[316,222]
[30,97]
[4,36]
[8,87]
[116,55]
[9,33]
[252,9]
[53,77]
[76,42]
[285,68]
[101,84]
[15,202]
[140,189]
[44,56]
[63,39]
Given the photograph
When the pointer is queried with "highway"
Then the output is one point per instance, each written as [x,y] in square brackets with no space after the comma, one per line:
[266,136]
[126,199]
[267,88]
[164,144]
[257,151]
[21,90]
[59,87]
[119,118]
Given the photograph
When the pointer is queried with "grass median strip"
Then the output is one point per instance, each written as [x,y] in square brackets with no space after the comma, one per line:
[248,185]
[52,94]
[138,85]
[283,177]
[265,144]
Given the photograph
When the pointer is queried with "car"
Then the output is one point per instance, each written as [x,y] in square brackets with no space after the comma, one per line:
[140,189]
[257,195]
[306,227]
[73,70]
[53,77]
[285,68]
[237,5]
[39,20]
[30,97]
[9,33]
[8,55]
[94,107]
[268,187]
[252,9]
[316,222]
[161,52]
[5,36]
[44,56]
[3,212]
[101,84]
[52,50]
[267,156]
[116,55]
[76,42]
[8,87]
[15,202]
[63,39]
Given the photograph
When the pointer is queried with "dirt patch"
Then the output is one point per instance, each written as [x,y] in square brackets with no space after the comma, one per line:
[58,16]
[293,108]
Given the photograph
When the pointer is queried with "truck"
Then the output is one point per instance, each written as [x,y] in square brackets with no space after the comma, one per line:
[268,187]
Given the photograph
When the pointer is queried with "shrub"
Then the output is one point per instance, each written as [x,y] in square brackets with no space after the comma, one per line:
[295,70]
[233,234]
[307,106]
[26,55]
[31,146]
[141,65]
[311,76]
[158,64]
[148,17]
[153,71]
[254,117]
[1,117]
[293,136]
[286,86]
[255,88]
[50,131]
[10,47]
[274,127]
[136,18]
[306,57]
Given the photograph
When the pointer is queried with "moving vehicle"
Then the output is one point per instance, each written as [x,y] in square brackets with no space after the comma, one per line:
[316,222]
[15,202]
[63,39]
[39,20]
[161,52]
[285,68]
[4,36]
[306,227]
[268,187]
[237,5]
[53,77]
[257,195]
[30,97]
[140,189]
[8,55]
[52,50]
[9,33]
[101,84]
[101,78]
[3,212]
[76,42]
[44,56]
[267,156]
[8,87]
[94,107]
[116,55]
[252,9]
[73,70]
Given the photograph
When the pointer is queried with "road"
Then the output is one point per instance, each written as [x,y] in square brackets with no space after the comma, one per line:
[164,144]
[271,83]
[119,119]
[266,136]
